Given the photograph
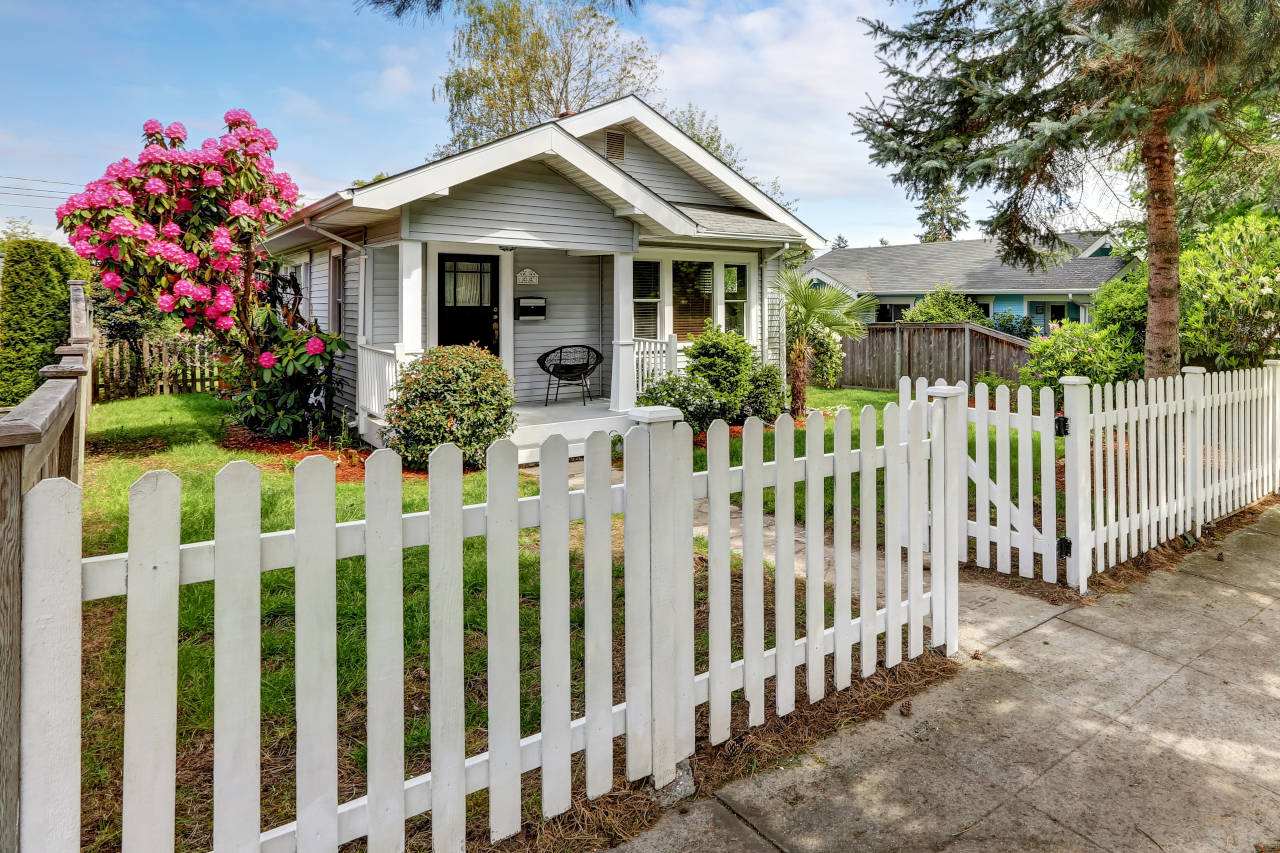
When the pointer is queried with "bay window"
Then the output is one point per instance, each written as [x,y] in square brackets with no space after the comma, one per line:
[676,291]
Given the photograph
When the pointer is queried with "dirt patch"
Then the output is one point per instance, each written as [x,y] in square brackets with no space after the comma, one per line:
[141,446]
[1053,593]
[349,461]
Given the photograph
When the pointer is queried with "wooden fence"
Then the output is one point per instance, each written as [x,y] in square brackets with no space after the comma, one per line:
[953,352]
[661,686]
[164,367]
[41,437]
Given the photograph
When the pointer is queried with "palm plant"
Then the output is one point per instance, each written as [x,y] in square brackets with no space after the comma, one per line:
[815,310]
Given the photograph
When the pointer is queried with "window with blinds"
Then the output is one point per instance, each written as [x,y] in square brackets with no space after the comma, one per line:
[646,290]
[691,292]
[735,298]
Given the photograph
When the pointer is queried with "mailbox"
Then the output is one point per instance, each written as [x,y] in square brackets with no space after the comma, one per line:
[531,308]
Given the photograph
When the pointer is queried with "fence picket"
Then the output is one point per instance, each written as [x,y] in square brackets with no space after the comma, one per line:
[718,595]
[1048,489]
[237,656]
[939,512]
[1099,435]
[553,606]
[1026,473]
[982,473]
[448,696]
[598,622]
[49,807]
[502,632]
[868,515]
[842,544]
[895,463]
[1133,507]
[815,556]
[753,569]
[919,497]
[662,606]
[315,639]
[784,574]
[151,663]
[682,527]
[1002,480]
[1110,438]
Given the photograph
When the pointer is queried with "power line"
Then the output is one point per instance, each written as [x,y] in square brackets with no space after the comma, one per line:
[31,195]
[31,206]
[34,191]
[40,180]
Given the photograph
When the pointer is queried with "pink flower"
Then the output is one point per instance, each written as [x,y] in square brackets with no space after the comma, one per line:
[123,170]
[256,149]
[146,231]
[267,360]
[122,226]
[111,280]
[185,205]
[200,292]
[315,346]
[153,153]
[211,312]
[83,248]
[225,322]
[238,116]
[182,287]
[176,131]
[155,186]
[212,178]
[171,230]
[152,127]
[189,321]
[240,207]
[269,205]
[166,302]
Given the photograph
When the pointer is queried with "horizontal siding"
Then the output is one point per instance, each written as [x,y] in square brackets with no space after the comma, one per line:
[523,205]
[318,289]
[385,294]
[657,172]
[775,318]
[579,311]
[345,399]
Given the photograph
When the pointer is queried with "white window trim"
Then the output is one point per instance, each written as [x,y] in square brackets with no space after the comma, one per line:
[718,259]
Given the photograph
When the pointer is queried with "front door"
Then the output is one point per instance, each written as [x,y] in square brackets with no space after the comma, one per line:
[469,301]
[1057,313]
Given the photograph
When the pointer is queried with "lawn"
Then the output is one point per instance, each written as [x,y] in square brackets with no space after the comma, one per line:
[187,435]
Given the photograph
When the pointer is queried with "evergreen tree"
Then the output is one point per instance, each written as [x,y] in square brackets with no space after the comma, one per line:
[942,215]
[1027,98]
[840,242]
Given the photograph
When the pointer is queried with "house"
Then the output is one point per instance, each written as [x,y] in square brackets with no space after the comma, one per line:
[900,275]
[609,228]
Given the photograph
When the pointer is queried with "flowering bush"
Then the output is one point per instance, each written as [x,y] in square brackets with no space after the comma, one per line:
[1079,349]
[180,229]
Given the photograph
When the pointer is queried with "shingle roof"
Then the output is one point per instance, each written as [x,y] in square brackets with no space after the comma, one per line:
[735,220]
[970,266]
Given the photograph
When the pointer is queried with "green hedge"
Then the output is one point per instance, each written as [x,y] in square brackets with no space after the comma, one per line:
[34,313]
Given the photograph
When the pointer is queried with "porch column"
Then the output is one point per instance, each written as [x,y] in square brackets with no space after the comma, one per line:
[507,310]
[622,388]
[410,297]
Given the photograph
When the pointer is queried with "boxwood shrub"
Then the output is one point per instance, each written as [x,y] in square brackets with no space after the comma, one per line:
[457,394]
[35,313]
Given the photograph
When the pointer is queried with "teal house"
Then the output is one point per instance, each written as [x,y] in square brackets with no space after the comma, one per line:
[900,275]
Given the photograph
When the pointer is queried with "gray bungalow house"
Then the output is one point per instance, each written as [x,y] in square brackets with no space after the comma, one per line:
[608,228]
[900,275]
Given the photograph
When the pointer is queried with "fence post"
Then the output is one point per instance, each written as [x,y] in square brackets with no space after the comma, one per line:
[659,422]
[1079,480]
[1272,409]
[10,640]
[673,358]
[948,501]
[1193,432]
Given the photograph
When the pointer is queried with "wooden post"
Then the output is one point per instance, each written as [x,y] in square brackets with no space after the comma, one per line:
[897,350]
[10,640]
[1079,481]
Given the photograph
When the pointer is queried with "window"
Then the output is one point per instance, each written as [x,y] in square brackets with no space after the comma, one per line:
[891,312]
[646,289]
[691,289]
[337,293]
[466,283]
[735,298]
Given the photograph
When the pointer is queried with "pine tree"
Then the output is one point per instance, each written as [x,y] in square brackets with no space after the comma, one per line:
[942,215]
[1025,99]
[840,242]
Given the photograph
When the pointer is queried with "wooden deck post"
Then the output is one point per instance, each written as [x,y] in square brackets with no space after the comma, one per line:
[10,640]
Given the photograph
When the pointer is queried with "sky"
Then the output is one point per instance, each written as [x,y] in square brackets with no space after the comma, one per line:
[349,92]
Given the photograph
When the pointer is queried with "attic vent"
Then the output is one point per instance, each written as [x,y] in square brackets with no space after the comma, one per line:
[615,144]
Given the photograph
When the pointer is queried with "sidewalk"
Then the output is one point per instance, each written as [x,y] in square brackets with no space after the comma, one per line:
[1149,721]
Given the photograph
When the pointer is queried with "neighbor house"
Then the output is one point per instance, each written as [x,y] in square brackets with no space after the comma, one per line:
[900,275]
[608,228]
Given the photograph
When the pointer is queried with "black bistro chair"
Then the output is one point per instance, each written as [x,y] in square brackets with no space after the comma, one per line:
[569,364]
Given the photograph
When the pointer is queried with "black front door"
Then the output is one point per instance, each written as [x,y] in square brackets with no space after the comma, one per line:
[469,301]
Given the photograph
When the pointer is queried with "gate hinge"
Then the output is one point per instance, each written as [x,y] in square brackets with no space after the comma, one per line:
[1064,547]
[1061,426]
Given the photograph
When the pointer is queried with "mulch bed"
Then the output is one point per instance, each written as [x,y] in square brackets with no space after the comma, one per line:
[350,462]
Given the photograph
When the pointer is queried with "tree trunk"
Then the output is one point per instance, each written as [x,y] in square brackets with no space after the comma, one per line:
[799,383]
[1163,248]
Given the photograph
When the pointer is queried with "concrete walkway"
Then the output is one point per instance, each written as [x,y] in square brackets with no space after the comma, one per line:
[1149,721]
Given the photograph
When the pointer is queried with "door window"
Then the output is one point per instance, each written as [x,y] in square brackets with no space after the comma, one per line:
[467,284]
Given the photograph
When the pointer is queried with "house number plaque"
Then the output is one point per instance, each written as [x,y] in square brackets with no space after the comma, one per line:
[527,276]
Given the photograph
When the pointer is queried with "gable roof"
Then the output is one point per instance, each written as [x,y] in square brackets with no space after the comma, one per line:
[969,266]
[558,145]
[656,131]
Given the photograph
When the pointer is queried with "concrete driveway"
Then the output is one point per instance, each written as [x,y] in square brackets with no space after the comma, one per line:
[1149,721]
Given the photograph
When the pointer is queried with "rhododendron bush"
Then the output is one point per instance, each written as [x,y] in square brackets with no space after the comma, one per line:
[182,229]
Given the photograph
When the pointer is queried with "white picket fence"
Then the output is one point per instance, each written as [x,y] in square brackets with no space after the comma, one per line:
[662,688]
[1144,462]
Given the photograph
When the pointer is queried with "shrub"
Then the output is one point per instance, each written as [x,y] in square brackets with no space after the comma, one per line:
[1018,325]
[35,314]
[765,397]
[724,360]
[993,380]
[693,396]
[457,394]
[1079,349]
[826,366]
[945,305]
[297,380]
[1121,305]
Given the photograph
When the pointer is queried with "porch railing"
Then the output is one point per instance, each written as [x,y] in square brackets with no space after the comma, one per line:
[377,374]
[655,358]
